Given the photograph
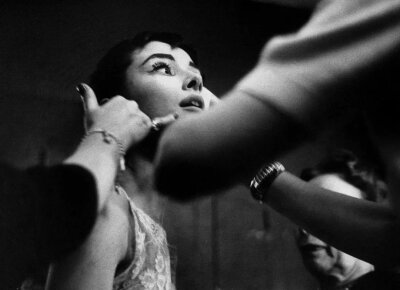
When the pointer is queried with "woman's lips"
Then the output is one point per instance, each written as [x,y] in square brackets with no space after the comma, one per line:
[192,109]
[192,101]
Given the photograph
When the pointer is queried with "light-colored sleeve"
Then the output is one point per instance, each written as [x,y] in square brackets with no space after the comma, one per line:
[301,82]
[326,64]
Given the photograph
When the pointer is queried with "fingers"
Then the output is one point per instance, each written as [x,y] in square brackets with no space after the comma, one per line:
[210,99]
[145,120]
[88,97]
[161,122]
[117,115]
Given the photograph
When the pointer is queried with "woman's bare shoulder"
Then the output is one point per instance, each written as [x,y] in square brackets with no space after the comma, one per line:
[93,264]
[112,228]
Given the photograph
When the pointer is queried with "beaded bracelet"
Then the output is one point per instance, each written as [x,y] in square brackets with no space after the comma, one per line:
[108,138]
[263,180]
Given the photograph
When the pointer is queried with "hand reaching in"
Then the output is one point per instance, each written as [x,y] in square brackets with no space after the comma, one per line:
[119,116]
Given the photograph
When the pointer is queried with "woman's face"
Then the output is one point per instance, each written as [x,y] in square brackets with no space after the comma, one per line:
[164,80]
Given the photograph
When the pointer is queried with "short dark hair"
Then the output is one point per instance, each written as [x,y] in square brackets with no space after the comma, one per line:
[109,76]
[361,175]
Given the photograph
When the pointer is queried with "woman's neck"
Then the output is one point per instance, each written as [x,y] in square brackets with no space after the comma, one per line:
[138,183]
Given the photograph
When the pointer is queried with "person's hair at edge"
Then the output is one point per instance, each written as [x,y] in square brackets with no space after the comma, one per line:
[109,77]
[352,170]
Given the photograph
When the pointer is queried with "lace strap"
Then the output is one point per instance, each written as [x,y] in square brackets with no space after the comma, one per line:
[121,191]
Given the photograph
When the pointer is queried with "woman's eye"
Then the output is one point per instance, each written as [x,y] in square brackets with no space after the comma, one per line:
[162,67]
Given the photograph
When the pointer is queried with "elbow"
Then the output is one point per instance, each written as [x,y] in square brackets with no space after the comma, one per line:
[184,169]
[177,167]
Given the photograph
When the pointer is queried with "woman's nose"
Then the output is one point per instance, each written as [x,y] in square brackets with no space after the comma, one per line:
[193,82]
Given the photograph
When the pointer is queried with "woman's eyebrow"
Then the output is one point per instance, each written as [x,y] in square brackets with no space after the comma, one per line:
[159,55]
[192,64]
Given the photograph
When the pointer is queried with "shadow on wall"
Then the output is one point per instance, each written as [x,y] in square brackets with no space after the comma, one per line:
[38,130]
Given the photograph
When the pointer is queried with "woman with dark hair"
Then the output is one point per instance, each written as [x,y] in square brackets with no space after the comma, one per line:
[344,173]
[351,169]
[127,248]
[364,229]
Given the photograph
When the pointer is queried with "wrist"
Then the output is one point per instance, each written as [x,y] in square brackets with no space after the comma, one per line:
[261,183]
[107,141]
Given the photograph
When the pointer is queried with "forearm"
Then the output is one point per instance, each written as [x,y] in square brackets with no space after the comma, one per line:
[222,146]
[363,229]
[102,160]
[113,128]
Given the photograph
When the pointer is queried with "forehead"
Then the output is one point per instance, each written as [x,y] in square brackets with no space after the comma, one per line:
[335,183]
[158,47]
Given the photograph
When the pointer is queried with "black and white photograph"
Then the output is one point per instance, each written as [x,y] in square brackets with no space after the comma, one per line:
[200,145]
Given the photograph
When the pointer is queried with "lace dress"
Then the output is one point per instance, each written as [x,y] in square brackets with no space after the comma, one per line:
[151,267]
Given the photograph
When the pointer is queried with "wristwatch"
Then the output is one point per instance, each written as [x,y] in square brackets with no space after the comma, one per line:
[260,184]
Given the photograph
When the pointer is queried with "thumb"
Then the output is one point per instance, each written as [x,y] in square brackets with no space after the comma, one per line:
[88,97]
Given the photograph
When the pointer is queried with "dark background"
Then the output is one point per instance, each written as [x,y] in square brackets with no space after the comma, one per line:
[47,47]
